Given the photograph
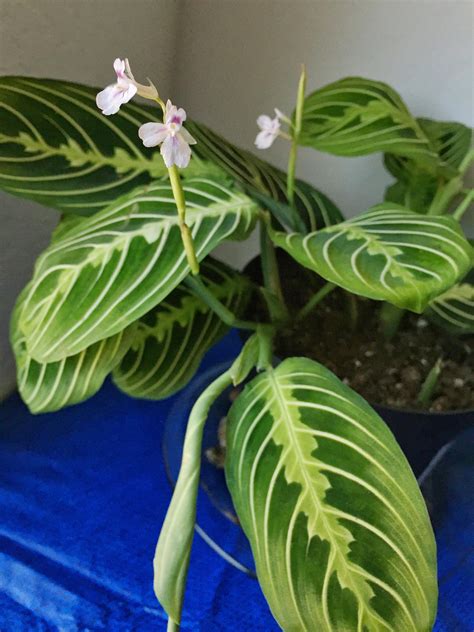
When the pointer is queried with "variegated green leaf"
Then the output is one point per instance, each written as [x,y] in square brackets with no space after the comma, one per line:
[357,116]
[45,387]
[338,528]
[58,149]
[415,193]
[388,253]
[416,185]
[108,270]
[454,310]
[450,140]
[171,340]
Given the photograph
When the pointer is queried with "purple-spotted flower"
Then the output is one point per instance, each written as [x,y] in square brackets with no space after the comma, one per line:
[111,98]
[171,135]
[269,129]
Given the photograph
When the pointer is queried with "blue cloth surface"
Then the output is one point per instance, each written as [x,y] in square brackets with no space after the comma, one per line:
[83,493]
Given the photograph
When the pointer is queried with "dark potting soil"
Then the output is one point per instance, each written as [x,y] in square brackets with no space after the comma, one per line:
[388,373]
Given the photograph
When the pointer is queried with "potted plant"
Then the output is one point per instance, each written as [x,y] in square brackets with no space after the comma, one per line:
[338,528]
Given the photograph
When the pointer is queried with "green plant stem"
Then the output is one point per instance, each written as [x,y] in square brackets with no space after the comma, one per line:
[444,195]
[353,310]
[315,300]
[172,626]
[468,158]
[429,385]
[390,318]
[186,235]
[446,192]
[290,182]
[228,317]
[266,334]
[464,205]
[271,275]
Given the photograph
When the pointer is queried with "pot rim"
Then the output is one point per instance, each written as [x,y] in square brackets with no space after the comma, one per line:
[424,413]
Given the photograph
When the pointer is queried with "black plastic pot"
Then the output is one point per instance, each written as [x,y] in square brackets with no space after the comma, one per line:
[421,435]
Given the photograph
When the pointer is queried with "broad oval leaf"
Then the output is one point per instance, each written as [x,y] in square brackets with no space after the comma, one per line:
[58,149]
[108,270]
[46,387]
[338,527]
[357,116]
[454,310]
[170,341]
[388,253]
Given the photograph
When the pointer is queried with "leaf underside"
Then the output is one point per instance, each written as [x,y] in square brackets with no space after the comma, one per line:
[338,527]
[170,341]
[388,254]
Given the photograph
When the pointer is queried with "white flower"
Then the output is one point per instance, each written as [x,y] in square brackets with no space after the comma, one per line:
[115,95]
[171,135]
[270,129]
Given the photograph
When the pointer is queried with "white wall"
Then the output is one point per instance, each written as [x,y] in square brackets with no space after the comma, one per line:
[76,40]
[238,59]
[226,61]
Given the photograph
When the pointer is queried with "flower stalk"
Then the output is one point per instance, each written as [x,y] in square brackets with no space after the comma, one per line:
[290,183]
[186,235]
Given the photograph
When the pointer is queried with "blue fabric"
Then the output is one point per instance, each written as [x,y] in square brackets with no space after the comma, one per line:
[83,493]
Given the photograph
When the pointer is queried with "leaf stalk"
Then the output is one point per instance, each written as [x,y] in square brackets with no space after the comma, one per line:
[315,300]
[225,314]
[271,275]
[390,319]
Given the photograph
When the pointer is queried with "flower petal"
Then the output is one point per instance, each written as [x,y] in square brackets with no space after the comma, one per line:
[153,134]
[264,122]
[168,111]
[119,67]
[129,93]
[187,136]
[182,154]
[109,100]
[181,115]
[264,139]
[176,151]
[167,151]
